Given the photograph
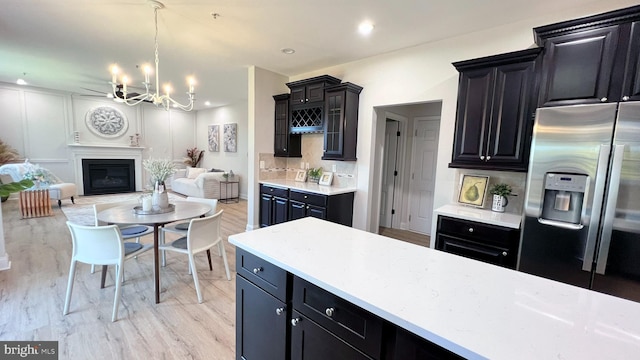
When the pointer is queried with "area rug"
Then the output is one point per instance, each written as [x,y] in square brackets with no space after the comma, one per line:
[82,211]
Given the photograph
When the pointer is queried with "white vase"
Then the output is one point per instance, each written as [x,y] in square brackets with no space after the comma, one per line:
[499,203]
[160,199]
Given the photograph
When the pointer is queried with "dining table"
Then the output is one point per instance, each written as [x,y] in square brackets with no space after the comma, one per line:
[128,214]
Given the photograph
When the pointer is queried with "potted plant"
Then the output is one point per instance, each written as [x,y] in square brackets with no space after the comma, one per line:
[15,186]
[314,174]
[500,192]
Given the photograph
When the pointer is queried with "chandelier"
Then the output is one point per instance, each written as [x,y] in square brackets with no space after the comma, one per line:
[121,94]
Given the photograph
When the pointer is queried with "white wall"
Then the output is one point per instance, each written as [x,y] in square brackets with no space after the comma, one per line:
[424,74]
[236,161]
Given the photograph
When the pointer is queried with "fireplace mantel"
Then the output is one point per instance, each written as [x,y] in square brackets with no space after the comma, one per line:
[86,151]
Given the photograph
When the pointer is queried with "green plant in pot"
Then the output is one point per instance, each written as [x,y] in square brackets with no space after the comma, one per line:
[314,174]
[500,192]
[12,187]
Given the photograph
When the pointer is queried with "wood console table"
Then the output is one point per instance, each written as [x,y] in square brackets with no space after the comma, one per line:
[35,203]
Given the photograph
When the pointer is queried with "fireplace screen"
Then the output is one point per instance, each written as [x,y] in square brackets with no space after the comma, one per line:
[108,176]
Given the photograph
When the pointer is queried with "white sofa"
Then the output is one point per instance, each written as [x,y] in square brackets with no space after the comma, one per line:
[199,182]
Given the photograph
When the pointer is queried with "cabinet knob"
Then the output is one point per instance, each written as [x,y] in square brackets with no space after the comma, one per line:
[307,207]
[470,229]
[295,321]
[279,311]
[504,253]
[306,100]
[270,189]
[625,98]
[284,149]
[301,100]
[257,270]
[604,99]
[330,311]
[488,158]
[481,157]
[305,196]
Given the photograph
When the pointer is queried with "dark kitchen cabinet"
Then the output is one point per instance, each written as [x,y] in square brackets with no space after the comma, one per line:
[274,205]
[307,103]
[341,122]
[336,208]
[285,144]
[411,347]
[262,315]
[489,243]
[495,111]
[591,60]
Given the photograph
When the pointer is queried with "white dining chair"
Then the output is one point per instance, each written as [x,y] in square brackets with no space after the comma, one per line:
[202,235]
[128,231]
[181,228]
[100,245]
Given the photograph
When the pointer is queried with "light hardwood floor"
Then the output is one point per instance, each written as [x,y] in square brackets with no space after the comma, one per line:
[32,297]
[405,235]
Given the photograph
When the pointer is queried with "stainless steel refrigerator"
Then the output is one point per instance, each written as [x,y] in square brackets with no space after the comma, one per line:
[582,207]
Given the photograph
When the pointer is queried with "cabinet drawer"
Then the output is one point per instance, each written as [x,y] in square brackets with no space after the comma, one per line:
[490,234]
[347,321]
[275,191]
[477,251]
[309,198]
[263,274]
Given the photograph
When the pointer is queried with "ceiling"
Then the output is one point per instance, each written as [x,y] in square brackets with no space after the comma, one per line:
[70,45]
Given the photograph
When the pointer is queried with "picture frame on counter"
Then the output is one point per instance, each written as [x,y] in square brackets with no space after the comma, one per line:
[301,176]
[326,178]
[473,190]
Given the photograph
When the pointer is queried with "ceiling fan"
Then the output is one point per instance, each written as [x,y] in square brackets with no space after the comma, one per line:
[118,95]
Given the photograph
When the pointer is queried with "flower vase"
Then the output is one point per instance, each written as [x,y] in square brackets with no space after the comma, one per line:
[160,199]
[499,203]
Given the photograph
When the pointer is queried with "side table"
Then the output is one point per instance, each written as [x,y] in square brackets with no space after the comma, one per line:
[35,203]
[229,185]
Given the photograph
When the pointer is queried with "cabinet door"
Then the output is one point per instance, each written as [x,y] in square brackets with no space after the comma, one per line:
[280,210]
[511,115]
[474,111]
[334,124]
[281,134]
[315,92]
[577,68]
[297,210]
[309,341]
[261,324]
[298,95]
[631,82]
[265,210]
[317,212]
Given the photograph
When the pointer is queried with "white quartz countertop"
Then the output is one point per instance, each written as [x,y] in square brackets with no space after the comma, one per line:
[310,187]
[480,215]
[474,309]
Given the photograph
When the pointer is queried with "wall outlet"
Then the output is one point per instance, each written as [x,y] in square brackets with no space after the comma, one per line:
[334,168]
[261,164]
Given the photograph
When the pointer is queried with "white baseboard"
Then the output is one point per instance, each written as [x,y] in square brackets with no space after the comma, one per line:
[5,264]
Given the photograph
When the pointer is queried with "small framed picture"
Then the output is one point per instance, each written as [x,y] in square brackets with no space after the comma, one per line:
[326,178]
[301,176]
[473,190]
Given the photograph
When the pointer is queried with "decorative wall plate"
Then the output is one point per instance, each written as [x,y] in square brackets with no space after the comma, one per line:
[106,121]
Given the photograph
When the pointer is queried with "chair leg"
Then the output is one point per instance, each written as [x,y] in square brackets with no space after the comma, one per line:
[195,277]
[161,242]
[72,201]
[93,268]
[209,257]
[224,259]
[67,299]
[116,300]
[59,203]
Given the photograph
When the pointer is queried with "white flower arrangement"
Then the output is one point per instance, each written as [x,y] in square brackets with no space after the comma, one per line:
[37,174]
[160,169]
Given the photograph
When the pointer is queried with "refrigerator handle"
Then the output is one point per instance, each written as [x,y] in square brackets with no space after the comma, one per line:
[596,210]
[610,209]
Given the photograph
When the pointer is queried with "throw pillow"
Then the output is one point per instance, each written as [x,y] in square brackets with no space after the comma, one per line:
[193,173]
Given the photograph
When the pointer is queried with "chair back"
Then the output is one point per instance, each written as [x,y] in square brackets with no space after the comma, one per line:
[99,245]
[204,232]
[104,206]
[211,202]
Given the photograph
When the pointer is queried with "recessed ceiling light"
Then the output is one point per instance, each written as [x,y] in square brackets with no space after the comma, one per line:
[21,82]
[288,51]
[365,28]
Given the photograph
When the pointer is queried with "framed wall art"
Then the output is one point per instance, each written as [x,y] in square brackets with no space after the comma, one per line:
[326,178]
[301,176]
[106,122]
[230,137]
[214,138]
[473,190]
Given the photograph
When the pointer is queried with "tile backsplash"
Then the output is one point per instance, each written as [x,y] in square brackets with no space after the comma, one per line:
[345,174]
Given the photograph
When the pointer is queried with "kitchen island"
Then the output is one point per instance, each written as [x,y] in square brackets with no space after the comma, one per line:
[473,309]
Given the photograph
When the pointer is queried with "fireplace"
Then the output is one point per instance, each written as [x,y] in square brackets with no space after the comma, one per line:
[108,176]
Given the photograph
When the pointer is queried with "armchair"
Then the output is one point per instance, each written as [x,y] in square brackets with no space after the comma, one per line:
[58,190]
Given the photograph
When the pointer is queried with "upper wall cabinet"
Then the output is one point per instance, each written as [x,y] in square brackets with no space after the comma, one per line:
[591,60]
[341,122]
[307,103]
[496,104]
[285,144]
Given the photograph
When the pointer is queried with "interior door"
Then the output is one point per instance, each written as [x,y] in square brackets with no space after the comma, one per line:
[389,174]
[425,153]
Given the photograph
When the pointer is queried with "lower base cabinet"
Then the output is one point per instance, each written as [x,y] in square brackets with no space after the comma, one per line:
[280,316]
